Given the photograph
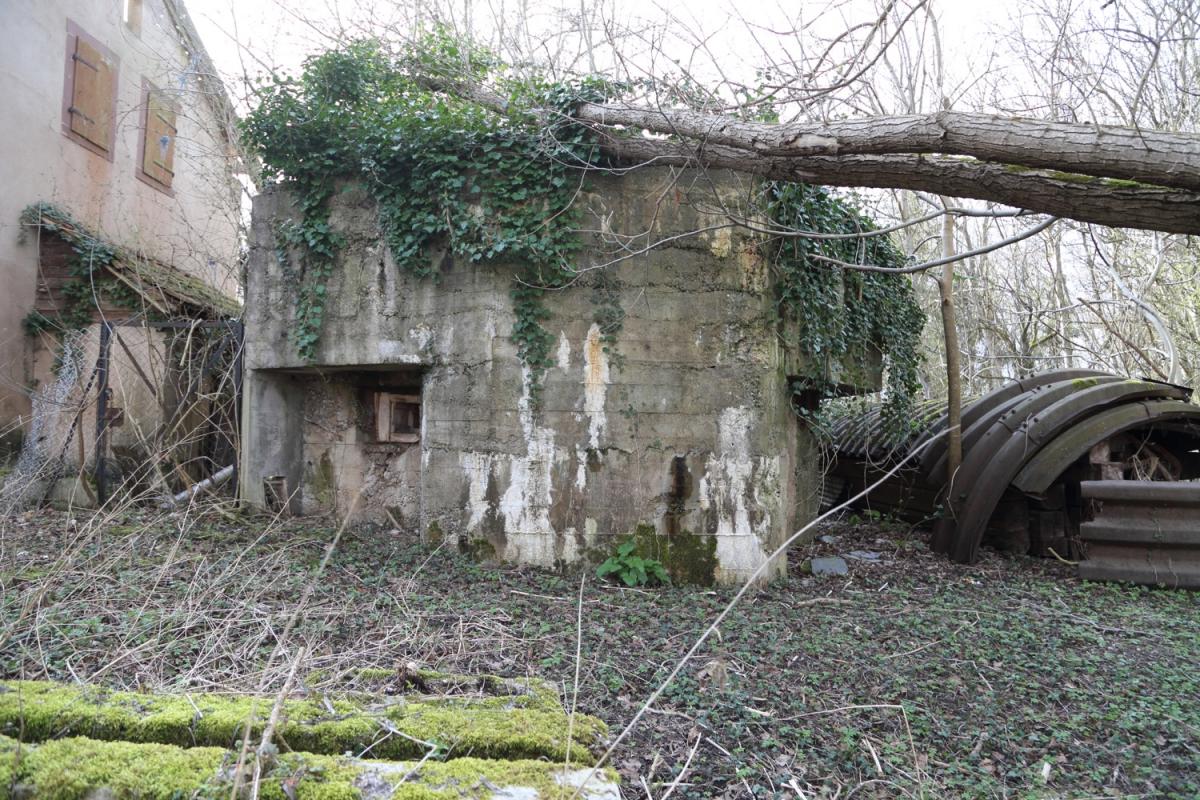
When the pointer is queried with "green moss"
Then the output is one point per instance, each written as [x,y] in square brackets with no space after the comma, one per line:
[522,726]
[374,674]
[78,768]
[1072,177]
[1080,178]
[434,535]
[322,482]
[11,752]
[529,733]
[457,779]
[1107,183]
[688,557]
[478,549]
[72,769]
[477,691]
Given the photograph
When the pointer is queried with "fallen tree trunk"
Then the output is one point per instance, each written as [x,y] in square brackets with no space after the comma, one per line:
[1145,156]
[1098,200]
[1114,176]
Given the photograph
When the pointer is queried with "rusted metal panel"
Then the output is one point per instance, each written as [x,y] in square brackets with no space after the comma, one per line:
[1146,532]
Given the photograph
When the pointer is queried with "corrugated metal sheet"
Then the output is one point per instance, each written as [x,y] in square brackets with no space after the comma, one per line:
[991,465]
[1021,440]
[1146,532]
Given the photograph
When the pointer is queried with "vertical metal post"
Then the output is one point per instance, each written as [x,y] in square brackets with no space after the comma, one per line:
[102,413]
[238,333]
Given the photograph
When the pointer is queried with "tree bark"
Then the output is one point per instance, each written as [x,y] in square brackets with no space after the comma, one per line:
[1153,157]
[953,362]
[1114,176]
[1085,199]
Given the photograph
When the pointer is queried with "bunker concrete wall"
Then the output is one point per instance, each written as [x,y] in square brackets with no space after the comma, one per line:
[681,432]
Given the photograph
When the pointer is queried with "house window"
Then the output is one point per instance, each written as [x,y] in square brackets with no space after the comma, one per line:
[397,417]
[90,93]
[157,165]
[131,15]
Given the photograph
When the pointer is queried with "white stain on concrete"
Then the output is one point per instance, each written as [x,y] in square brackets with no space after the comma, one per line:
[525,504]
[735,484]
[595,384]
[524,507]
[563,359]
[568,547]
[729,470]
[477,467]
[580,470]
[422,335]
[397,352]
[737,558]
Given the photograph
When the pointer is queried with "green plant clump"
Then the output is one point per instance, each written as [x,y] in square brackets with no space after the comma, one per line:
[631,569]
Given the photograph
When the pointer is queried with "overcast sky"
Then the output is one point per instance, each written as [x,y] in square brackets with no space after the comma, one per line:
[251,35]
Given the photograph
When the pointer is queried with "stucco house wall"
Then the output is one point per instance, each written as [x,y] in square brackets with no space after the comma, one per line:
[195,227]
[681,433]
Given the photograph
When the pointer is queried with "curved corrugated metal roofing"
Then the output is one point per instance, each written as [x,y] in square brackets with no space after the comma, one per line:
[1022,436]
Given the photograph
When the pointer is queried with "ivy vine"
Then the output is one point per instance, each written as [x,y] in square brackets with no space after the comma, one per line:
[445,173]
[842,315]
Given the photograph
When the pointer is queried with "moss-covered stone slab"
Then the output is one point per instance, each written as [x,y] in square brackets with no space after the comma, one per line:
[79,768]
[530,724]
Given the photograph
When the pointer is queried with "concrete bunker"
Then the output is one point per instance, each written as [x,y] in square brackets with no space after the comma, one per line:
[680,431]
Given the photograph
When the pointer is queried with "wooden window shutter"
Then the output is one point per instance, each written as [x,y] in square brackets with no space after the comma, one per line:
[133,16]
[158,154]
[92,95]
